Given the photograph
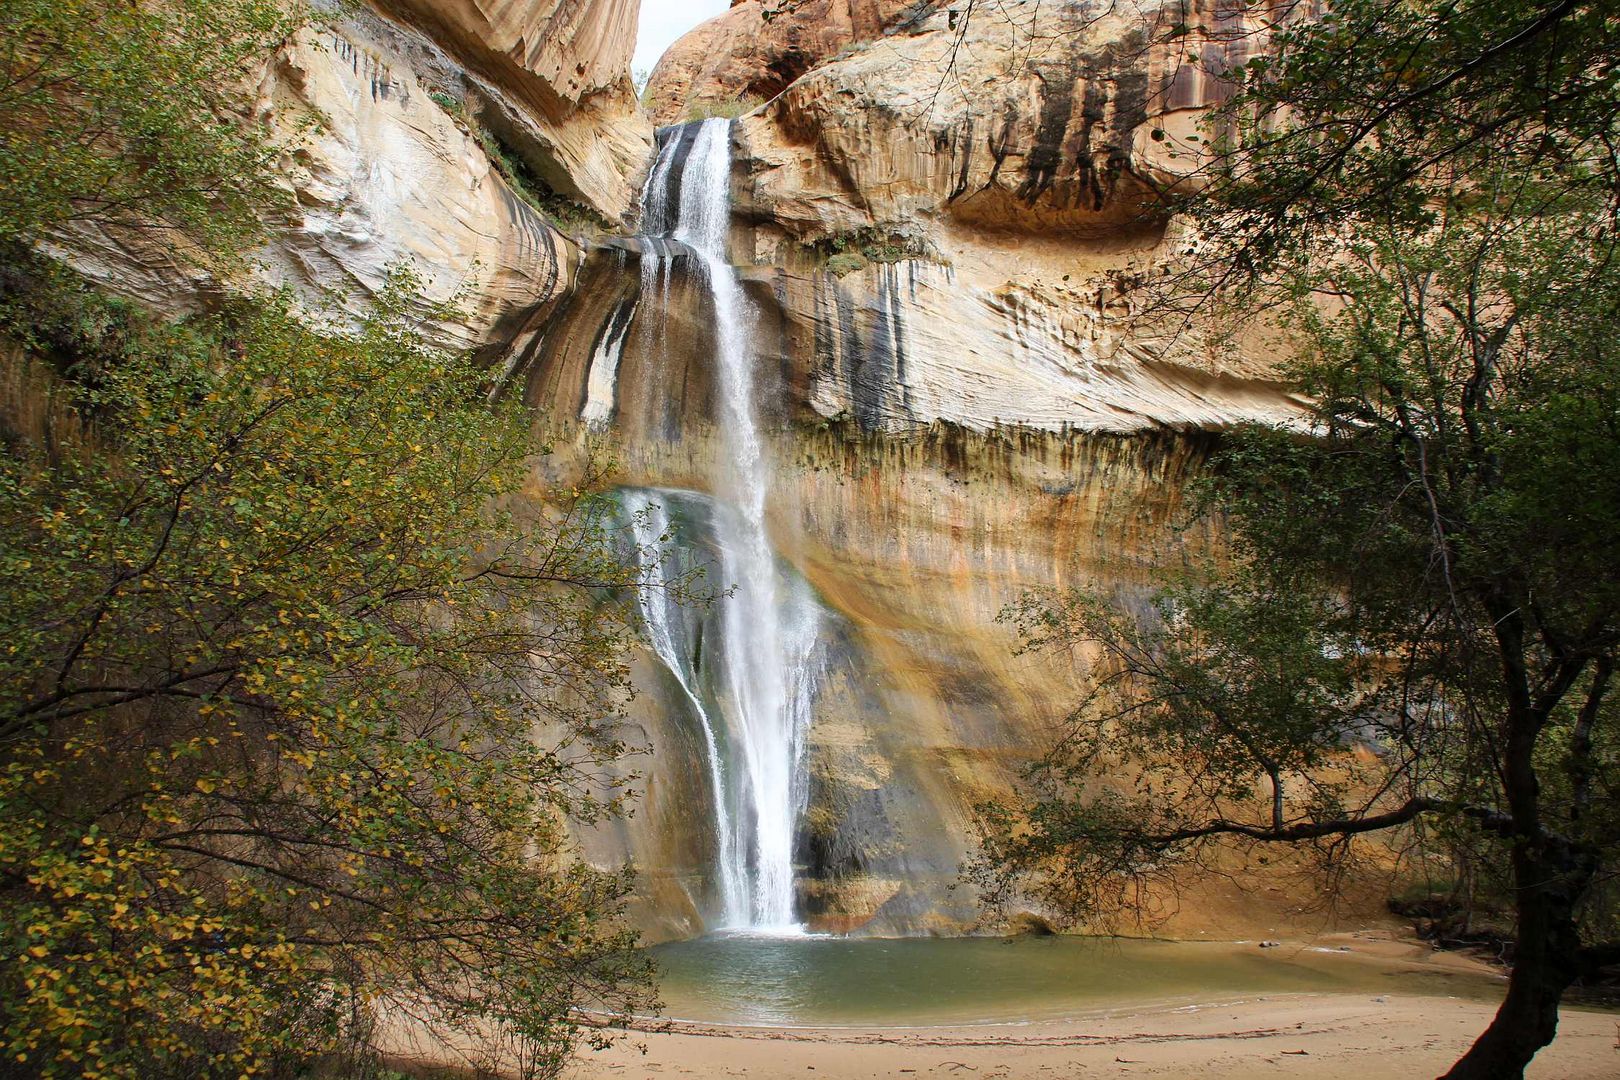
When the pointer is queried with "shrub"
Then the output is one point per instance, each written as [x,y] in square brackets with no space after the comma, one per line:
[292,719]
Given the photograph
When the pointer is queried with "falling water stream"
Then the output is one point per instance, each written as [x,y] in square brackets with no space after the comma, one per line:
[752,699]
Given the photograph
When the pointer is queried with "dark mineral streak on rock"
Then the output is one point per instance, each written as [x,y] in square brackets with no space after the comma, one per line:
[962,142]
[1046,156]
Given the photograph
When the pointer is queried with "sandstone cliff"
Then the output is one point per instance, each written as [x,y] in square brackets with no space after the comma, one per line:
[410,100]
[563,69]
[945,233]
[758,48]
[944,227]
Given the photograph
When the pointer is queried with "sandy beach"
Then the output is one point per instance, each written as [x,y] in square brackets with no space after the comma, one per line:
[1335,1035]
[1353,1037]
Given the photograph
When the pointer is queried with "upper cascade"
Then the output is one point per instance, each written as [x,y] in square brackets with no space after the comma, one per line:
[768,626]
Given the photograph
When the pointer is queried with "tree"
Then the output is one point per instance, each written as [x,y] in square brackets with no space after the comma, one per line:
[133,115]
[1364,114]
[303,684]
[1431,579]
[1418,628]
[293,719]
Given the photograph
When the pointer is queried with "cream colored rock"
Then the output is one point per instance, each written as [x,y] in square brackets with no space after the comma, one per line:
[572,49]
[559,72]
[899,347]
[902,345]
[390,178]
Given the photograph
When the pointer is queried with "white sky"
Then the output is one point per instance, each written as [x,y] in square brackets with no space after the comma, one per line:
[662,21]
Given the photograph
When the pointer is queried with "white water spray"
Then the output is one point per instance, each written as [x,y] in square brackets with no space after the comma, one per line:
[661,610]
[769,626]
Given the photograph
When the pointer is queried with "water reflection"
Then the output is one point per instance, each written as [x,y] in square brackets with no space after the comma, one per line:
[779,981]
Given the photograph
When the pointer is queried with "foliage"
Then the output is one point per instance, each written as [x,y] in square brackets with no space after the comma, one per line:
[1346,116]
[563,212]
[1208,698]
[292,717]
[452,105]
[845,262]
[129,114]
[852,250]
[1417,631]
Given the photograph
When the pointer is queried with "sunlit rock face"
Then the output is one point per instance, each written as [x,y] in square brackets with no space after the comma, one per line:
[759,47]
[391,178]
[562,68]
[395,173]
[1039,118]
[1013,163]
[897,347]
[962,405]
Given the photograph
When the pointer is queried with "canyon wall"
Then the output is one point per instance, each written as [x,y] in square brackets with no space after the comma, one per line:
[947,229]
[968,397]
[391,119]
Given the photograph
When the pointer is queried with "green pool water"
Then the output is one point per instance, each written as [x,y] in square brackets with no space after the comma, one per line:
[931,981]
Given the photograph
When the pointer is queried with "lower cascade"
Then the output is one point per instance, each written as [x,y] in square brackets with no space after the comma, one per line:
[753,707]
[751,694]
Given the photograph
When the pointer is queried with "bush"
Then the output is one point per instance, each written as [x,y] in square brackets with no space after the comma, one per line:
[845,263]
[130,113]
[870,243]
[292,721]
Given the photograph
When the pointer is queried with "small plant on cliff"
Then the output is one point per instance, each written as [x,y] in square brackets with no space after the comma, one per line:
[450,104]
[845,263]
[565,213]
[852,250]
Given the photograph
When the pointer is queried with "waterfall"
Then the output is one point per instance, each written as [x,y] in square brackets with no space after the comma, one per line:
[765,676]
[602,379]
[661,611]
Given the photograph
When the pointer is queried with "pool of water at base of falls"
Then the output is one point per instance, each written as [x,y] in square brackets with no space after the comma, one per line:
[828,981]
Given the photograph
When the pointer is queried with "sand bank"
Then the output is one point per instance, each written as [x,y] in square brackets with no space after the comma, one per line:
[1326,1036]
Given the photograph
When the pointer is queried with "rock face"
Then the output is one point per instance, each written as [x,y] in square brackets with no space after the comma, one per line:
[1046,120]
[938,452]
[398,172]
[758,48]
[563,68]
[391,178]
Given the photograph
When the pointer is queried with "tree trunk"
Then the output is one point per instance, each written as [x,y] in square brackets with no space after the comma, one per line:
[1549,881]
